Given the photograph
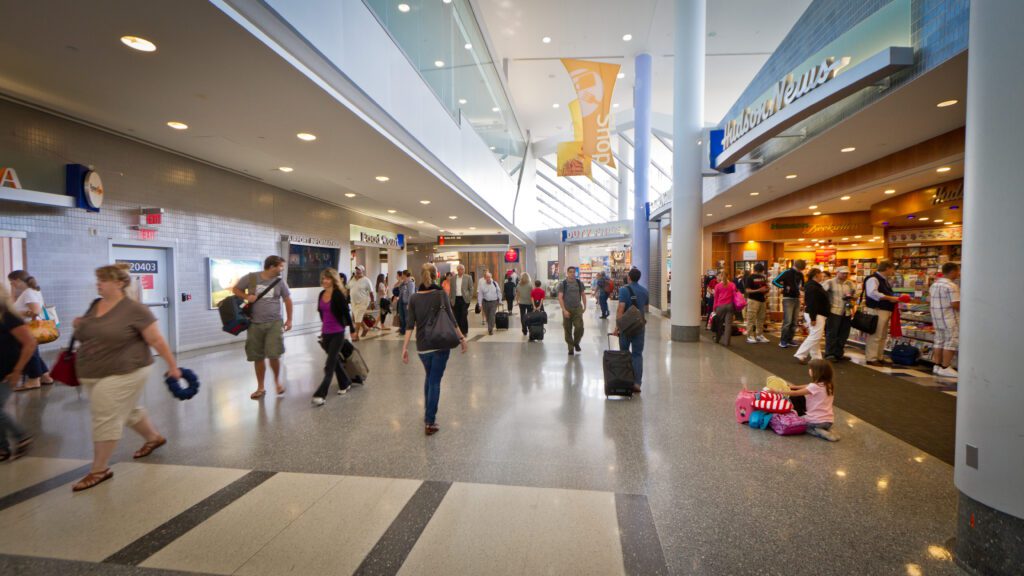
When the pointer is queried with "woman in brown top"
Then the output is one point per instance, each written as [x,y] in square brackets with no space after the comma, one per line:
[113,364]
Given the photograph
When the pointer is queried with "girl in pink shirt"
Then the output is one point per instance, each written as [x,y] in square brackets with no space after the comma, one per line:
[819,394]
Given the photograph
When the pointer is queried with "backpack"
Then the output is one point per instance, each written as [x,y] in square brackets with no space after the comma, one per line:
[578,283]
[760,419]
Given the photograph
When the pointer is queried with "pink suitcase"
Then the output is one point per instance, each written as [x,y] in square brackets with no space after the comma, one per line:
[744,405]
[788,424]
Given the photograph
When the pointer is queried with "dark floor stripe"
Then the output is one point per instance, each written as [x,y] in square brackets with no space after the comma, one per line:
[476,338]
[24,565]
[641,547]
[45,486]
[138,551]
[394,546]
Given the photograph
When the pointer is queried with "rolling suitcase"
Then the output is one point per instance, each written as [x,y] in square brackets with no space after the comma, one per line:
[355,367]
[618,372]
[536,332]
[501,320]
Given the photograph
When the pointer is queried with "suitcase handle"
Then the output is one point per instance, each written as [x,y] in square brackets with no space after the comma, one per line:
[610,341]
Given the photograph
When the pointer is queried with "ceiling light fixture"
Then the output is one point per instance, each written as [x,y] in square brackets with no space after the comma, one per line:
[305,136]
[924,219]
[392,211]
[799,239]
[943,169]
[546,39]
[620,75]
[495,109]
[858,236]
[937,221]
[350,194]
[493,148]
[140,44]
[472,227]
[817,214]
[755,193]
[286,169]
[616,105]
[403,8]
[790,176]
[439,63]
[463,101]
[709,214]
[627,37]
[419,222]
[178,125]
[424,202]
[846,238]
[845,198]
[728,205]
[848,149]
[946,103]
[382,178]
[812,207]
[467,46]
[555,105]
[453,217]
[890,191]
[854,244]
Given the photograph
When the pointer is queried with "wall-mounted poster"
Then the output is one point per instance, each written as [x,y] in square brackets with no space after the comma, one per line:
[225,273]
[553,270]
[306,262]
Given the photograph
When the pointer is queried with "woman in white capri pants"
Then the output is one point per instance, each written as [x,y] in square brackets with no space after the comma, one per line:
[816,309]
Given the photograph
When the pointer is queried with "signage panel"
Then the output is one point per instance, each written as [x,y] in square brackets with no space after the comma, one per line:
[141,266]
[311,241]
[590,232]
[476,240]
[360,236]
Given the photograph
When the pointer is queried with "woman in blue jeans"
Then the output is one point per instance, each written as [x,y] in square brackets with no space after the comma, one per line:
[425,306]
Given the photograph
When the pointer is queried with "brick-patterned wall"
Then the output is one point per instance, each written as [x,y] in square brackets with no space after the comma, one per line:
[209,213]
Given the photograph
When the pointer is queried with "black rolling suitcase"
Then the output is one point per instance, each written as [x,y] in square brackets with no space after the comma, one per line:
[501,320]
[536,332]
[618,372]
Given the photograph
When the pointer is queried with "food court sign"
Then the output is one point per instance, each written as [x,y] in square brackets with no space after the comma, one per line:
[596,232]
[360,236]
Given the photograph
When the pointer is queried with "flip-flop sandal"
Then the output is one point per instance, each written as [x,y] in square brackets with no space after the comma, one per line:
[21,447]
[258,394]
[5,456]
[92,479]
[27,388]
[148,448]
[280,390]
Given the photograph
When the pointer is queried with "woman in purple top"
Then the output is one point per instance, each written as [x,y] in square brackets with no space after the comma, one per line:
[334,313]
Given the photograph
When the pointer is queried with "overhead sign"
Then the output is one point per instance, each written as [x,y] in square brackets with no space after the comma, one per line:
[475,240]
[590,232]
[877,47]
[949,192]
[512,256]
[311,241]
[594,83]
[360,236]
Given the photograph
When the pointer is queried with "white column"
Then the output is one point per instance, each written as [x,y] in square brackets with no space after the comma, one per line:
[687,122]
[989,468]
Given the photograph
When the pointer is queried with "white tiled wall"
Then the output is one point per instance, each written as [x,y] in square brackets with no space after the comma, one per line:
[209,212]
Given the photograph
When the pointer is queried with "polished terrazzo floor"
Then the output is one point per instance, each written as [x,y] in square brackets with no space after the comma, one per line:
[534,471]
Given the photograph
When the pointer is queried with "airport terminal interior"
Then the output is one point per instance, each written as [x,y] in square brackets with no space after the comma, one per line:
[379,287]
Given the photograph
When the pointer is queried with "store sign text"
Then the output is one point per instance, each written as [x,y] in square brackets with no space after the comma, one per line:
[949,193]
[311,241]
[816,228]
[378,238]
[787,91]
[9,178]
[594,232]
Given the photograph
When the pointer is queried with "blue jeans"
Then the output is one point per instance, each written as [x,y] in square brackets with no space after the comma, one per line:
[790,316]
[602,299]
[635,345]
[36,367]
[434,363]
[7,423]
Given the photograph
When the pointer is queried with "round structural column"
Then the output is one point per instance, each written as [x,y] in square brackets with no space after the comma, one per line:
[990,398]
[641,244]
[687,180]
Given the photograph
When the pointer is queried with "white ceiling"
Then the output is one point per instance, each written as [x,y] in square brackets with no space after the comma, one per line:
[742,34]
[243,104]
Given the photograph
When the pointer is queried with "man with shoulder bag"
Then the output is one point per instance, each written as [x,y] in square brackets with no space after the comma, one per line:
[631,323]
[264,292]
[573,299]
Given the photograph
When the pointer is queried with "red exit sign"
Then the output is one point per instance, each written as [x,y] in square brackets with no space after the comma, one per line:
[154,218]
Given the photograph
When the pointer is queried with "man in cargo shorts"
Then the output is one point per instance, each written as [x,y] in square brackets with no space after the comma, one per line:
[944,300]
[265,338]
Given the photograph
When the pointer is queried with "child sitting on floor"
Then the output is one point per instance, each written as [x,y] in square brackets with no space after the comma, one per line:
[819,395]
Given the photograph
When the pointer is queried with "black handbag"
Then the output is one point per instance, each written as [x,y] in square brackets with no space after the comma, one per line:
[438,331]
[866,323]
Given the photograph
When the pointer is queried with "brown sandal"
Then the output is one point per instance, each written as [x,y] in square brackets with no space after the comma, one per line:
[258,394]
[92,479]
[148,447]
[431,429]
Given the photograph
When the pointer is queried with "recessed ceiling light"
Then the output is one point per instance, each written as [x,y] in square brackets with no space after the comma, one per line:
[546,39]
[453,217]
[403,8]
[755,193]
[615,105]
[392,211]
[817,213]
[472,227]
[463,101]
[844,198]
[858,236]
[709,214]
[728,205]
[890,191]
[350,194]
[382,178]
[790,176]
[855,244]
[424,202]
[620,75]
[555,105]
[286,169]
[495,109]
[493,148]
[950,223]
[812,207]
[937,220]
[627,37]
[848,149]
[799,239]
[178,125]
[419,221]
[924,219]
[306,136]
[946,103]
[467,46]
[439,63]
[943,169]
[140,44]
[846,238]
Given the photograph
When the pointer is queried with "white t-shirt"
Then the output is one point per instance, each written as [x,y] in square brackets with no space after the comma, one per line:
[29,296]
[361,290]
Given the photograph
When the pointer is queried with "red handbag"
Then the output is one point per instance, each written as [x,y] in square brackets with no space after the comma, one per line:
[64,370]
[772,403]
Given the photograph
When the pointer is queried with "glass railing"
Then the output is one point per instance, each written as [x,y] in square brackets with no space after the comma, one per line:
[443,41]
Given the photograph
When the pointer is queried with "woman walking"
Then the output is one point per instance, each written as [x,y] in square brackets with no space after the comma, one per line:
[332,304]
[817,305]
[16,349]
[523,290]
[385,302]
[430,316]
[725,294]
[113,364]
[28,304]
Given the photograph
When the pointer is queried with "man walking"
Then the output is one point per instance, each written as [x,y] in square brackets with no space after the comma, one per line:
[944,297]
[841,291]
[791,282]
[572,297]
[633,294]
[488,294]
[603,289]
[756,288]
[461,294]
[360,289]
[880,301]
[265,338]
[403,301]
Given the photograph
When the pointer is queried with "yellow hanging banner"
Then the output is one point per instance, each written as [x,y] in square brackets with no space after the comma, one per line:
[577,120]
[594,83]
[572,161]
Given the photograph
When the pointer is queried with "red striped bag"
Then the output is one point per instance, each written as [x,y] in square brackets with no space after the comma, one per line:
[772,403]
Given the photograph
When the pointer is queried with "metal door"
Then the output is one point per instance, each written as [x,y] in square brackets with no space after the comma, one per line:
[151,271]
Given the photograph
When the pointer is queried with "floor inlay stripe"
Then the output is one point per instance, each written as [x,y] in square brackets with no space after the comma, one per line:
[394,546]
[34,490]
[138,551]
[641,547]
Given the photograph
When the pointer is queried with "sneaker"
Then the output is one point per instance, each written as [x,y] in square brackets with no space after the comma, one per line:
[762,339]
[751,341]
[342,391]
[571,353]
[578,349]
[802,360]
[318,401]
[783,345]
[935,368]
[949,372]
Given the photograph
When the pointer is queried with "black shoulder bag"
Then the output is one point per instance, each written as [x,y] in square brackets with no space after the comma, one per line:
[866,323]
